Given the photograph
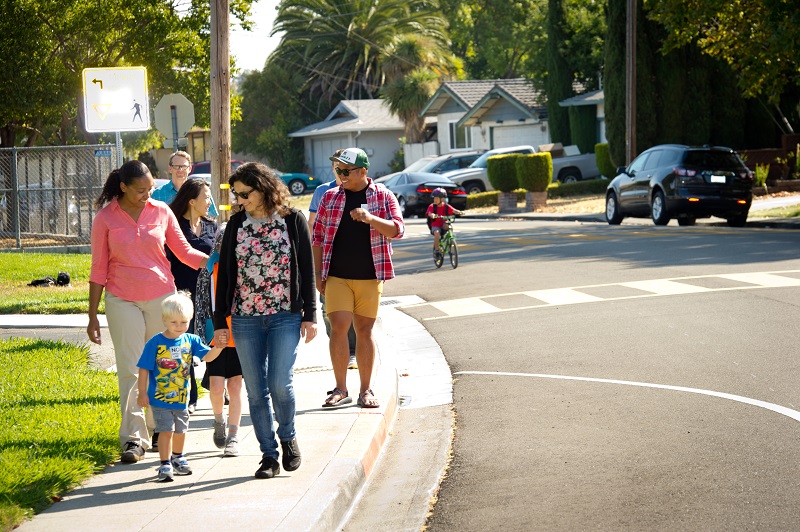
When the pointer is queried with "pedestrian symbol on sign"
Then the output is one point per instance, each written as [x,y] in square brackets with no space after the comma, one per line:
[138,111]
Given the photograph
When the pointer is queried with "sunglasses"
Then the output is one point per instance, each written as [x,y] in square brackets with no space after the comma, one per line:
[346,171]
[243,195]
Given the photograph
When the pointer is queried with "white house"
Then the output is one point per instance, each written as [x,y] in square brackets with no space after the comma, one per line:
[366,124]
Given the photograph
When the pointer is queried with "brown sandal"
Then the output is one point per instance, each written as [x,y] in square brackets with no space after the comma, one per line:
[337,397]
[366,399]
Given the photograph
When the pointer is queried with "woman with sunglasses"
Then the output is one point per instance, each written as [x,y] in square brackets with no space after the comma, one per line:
[265,283]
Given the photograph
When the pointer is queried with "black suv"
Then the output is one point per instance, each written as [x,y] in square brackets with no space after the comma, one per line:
[674,181]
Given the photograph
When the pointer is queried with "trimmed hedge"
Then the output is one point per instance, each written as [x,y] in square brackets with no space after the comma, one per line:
[590,187]
[502,171]
[602,155]
[535,171]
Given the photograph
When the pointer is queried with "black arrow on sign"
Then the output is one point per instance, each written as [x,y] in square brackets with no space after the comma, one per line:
[100,81]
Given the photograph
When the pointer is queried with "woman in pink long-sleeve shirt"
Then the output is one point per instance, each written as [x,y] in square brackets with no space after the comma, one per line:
[129,262]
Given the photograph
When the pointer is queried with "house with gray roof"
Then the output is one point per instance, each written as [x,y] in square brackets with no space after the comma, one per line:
[366,124]
[488,114]
[494,113]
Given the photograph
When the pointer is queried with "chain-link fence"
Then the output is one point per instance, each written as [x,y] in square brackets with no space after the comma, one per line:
[47,194]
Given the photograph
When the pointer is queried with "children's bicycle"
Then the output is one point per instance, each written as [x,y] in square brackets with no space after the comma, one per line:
[447,244]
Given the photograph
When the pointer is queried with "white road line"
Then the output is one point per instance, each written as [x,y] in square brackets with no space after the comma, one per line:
[794,414]
[572,295]
[465,307]
[762,279]
[665,287]
[562,296]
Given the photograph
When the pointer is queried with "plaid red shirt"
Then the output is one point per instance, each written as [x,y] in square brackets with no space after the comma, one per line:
[381,203]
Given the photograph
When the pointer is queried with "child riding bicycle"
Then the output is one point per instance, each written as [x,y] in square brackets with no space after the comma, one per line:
[435,212]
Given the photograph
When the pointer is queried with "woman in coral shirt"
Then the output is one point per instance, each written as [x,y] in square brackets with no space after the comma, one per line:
[130,264]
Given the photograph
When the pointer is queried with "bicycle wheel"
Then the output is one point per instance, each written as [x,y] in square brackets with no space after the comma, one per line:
[438,259]
[454,254]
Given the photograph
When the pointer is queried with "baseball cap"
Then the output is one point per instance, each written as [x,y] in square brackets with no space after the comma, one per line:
[354,157]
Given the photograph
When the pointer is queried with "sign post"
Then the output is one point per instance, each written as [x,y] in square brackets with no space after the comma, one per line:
[115,100]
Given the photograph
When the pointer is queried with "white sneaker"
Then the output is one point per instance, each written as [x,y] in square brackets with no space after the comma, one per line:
[232,446]
[181,465]
[165,473]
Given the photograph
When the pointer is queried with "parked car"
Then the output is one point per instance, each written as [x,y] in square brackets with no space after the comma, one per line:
[675,181]
[439,164]
[413,191]
[474,178]
[299,182]
[204,167]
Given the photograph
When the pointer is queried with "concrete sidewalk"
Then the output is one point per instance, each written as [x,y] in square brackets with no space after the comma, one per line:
[339,447]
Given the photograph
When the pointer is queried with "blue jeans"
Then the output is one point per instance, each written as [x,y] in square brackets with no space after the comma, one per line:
[267,347]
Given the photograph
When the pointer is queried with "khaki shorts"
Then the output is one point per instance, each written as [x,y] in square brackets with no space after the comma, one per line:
[358,296]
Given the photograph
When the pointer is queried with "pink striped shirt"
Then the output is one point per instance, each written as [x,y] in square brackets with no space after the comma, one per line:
[128,257]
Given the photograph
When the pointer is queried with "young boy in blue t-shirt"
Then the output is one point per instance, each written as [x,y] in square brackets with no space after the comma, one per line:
[164,381]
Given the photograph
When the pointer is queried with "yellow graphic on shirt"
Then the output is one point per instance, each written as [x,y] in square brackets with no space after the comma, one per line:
[173,373]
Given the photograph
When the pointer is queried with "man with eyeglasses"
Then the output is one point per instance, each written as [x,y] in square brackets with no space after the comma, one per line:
[180,163]
[351,241]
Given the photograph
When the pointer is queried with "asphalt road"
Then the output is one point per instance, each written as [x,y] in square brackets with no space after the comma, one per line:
[606,378]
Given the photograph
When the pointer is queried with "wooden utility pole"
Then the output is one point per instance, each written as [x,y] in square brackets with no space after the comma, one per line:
[630,84]
[220,102]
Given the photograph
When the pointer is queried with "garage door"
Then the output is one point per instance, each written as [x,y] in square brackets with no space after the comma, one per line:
[505,136]
[321,150]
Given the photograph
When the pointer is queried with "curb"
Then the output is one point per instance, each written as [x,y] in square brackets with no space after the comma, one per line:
[326,505]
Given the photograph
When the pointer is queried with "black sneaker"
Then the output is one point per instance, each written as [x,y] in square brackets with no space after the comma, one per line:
[269,468]
[291,454]
[133,453]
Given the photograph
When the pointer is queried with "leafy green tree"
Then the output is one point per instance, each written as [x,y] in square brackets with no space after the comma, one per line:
[558,81]
[757,38]
[495,38]
[47,43]
[340,45]
[271,109]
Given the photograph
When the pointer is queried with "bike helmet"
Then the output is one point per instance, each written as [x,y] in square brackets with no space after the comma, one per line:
[439,192]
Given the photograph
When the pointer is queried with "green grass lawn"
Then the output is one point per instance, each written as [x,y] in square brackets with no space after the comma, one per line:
[781,212]
[19,269]
[59,424]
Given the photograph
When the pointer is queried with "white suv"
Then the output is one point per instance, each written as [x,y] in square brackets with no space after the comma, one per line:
[474,178]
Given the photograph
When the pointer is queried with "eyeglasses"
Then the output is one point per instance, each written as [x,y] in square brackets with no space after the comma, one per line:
[243,195]
[180,166]
[346,171]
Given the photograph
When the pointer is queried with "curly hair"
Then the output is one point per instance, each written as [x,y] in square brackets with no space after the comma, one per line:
[190,190]
[262,178]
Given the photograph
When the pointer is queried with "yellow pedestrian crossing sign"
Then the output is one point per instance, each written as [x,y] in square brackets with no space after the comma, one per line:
[115,99]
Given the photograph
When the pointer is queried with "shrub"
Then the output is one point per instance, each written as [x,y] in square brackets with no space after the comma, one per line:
[604,163]
[581,188]
[502,171]
[489,199]
[535,171]
[761,173]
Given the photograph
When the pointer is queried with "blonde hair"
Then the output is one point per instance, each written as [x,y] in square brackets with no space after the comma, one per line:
[178,304]
[182,154]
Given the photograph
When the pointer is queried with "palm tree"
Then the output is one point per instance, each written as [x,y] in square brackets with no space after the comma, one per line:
[344,46]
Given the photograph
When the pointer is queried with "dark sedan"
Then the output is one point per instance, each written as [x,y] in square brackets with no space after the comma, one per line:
[675,181]
[413,191]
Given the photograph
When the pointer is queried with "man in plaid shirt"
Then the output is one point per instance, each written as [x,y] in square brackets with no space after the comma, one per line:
[352,248]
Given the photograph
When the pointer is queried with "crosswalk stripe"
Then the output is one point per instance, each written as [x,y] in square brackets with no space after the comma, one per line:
[762,279]
[465,307]
[561,296]
[665,287]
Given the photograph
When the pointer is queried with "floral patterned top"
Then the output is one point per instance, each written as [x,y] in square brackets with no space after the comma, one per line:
[263,255]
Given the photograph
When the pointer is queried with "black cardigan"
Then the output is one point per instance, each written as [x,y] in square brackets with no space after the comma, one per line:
[302,294]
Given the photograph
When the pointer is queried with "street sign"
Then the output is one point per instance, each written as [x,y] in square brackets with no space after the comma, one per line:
[115,99]
[174,115]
